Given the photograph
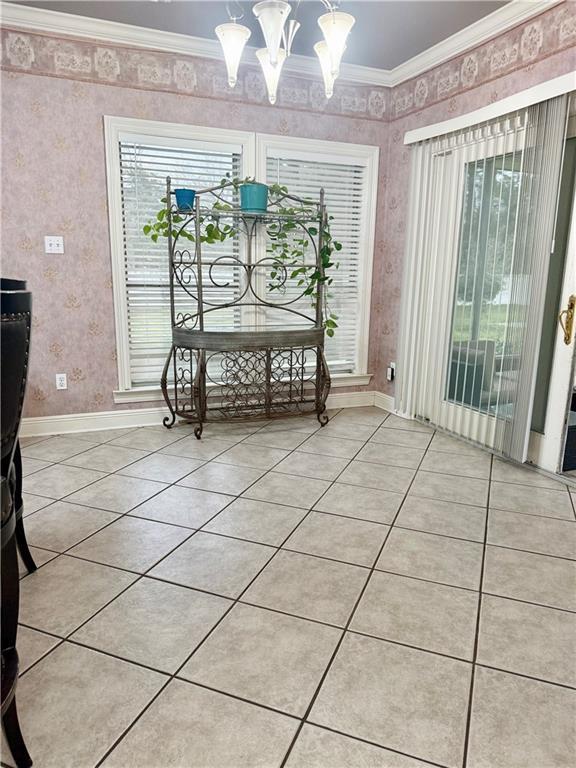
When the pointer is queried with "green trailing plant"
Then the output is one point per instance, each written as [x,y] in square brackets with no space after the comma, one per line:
[288,242]
[210,231]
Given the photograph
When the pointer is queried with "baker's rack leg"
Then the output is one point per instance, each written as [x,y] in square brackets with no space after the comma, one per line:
[168,421]
[322,387]
[199,389]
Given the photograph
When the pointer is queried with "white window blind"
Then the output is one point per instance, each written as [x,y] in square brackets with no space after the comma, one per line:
[144,166]
[345,187]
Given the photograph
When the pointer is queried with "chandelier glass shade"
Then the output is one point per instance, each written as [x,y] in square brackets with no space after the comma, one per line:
[271,72]
[272,15]
[233,37]
[336,27]
[325,59]
[289,34]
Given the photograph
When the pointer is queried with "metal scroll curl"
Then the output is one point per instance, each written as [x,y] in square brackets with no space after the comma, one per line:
[237,381]
[185,271]
[184,372]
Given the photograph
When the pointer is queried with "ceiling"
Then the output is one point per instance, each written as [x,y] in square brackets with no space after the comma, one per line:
[387,32]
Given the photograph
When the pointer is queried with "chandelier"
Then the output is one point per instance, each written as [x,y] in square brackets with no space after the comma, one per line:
[279,32]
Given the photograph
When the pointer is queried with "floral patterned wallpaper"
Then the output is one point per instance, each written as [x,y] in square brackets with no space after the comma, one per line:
[54,182]
[54,95]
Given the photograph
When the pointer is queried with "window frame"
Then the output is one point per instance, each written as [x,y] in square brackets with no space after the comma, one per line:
[254,147]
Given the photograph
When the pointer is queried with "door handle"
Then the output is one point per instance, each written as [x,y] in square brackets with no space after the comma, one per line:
[566,319]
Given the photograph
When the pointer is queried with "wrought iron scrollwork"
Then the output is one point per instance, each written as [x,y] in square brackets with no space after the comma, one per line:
[209,292]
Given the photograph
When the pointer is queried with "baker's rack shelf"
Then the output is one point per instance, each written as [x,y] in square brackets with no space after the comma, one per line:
[241,350]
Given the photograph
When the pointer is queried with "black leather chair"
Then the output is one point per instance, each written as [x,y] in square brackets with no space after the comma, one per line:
[16,306]
[8,287]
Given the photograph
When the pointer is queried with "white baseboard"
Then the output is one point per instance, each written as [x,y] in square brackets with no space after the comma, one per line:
[144,417]
[384,401]
[349,399]
[87,422]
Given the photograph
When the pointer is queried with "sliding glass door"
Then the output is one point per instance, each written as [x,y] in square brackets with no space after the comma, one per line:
[484,355]
[483,208]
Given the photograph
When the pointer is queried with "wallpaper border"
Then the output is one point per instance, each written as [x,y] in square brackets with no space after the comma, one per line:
[521,47]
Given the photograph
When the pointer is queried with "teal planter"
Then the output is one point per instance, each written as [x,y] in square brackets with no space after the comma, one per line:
[185,199]
[254,197]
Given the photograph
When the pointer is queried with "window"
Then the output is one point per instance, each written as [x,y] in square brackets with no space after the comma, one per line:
[305,166]
[140,154]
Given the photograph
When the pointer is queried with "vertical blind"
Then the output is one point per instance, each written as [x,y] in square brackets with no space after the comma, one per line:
[143,171]
[482,212]
[344,185]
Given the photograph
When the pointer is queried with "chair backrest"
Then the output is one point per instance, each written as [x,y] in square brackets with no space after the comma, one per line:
[10,284]
[16,313]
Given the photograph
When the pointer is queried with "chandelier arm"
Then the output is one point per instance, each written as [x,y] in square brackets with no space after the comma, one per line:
[231,16]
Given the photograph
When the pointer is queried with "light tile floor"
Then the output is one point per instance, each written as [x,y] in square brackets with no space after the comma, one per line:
[366,595]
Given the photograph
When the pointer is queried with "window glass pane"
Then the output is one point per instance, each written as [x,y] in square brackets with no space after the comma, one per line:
[484,349]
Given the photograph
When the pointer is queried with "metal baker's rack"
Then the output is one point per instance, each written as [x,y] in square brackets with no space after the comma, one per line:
[241,350]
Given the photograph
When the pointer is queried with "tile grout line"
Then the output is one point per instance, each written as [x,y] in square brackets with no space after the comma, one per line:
[235,601]
[115,472]
[412,577]
[277,549]
[285,713]
[139,576]
[349,621]
[267,423]
[424,761]
[318,511]
[342,482]
[295,449]
[387,640]
[571,497]
[165,487]
[105,474]
[477,632]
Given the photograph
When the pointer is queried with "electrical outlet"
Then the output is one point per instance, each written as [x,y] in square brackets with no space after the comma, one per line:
[61,381]
[53,244]
[391,372]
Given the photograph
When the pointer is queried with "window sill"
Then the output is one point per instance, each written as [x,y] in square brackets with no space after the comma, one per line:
[154,394]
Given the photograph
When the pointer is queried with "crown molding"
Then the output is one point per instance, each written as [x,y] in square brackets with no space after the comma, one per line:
[497,22]
[40,20]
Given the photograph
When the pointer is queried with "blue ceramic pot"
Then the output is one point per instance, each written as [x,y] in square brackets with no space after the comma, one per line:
[254,197]
[185,199]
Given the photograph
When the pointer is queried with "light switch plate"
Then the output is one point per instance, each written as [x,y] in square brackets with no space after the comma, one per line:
[53,244]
